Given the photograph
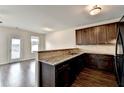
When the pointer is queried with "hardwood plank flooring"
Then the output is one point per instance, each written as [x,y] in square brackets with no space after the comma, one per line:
[94,78]
[21,74]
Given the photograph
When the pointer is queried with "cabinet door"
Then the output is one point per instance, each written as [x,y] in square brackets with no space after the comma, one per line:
[111,32]
[100,61]
[87,36]
[92,36]
[90,61]
[105,62]
[73,70]
[63,76]
[80,63]
[101,34]
[78,37]
[84,36]
[76,65]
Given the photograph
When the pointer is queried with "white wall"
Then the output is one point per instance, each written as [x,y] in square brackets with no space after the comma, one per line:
[62,39]
[6,33]
[66,39]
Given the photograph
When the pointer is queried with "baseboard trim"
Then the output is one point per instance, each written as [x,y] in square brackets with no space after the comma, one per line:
[17,61]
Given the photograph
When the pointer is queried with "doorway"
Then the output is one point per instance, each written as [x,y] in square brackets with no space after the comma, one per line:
[15,49]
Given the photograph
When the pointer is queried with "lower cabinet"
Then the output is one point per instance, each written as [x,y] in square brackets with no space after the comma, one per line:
[61,75]
[66,72]
[77,64]
[100,61]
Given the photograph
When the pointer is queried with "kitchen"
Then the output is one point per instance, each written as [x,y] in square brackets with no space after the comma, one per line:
[93,63]
[61,46]
[61,67]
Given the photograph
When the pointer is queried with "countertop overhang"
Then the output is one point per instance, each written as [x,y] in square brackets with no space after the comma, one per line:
[60,59]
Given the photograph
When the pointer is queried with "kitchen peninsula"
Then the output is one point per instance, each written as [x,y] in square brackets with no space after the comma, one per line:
[58,68]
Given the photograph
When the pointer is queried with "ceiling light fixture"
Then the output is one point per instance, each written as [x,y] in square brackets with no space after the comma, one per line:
[47,29]
[1,22]
[96,10]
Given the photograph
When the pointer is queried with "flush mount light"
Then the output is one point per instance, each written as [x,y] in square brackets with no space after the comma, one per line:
[1,22]
[47,29]
[96,10]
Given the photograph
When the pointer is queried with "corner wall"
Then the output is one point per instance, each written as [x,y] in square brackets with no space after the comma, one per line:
[6,33]
[66,39]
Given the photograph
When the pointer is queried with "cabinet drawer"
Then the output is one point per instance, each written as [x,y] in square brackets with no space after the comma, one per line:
[62,65]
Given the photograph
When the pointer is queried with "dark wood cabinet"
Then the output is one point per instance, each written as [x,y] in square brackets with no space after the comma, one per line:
[111,32]
[92,35]
[88,35]
[83,38]
[60,75]
[100,61]
[66,72]
[90,61]
[102,34]
[63,76]
[79,63]
[76,65]
[79,37]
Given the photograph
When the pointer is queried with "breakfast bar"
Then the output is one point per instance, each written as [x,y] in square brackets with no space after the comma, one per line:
[58,68]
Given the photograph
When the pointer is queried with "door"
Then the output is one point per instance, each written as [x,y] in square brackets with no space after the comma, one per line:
[15,49]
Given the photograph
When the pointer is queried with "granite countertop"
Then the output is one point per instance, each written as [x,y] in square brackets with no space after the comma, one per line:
[60,59]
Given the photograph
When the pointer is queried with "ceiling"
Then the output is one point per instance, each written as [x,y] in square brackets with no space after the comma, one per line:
[58,17]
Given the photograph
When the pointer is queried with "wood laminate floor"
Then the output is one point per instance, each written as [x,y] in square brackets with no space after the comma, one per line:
[94,78]
[20,74]
[23,75]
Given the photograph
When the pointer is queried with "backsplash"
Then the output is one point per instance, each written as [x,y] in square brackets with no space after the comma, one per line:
[54,53]
[104,49]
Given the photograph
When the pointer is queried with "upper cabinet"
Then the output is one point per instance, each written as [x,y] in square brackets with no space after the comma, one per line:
[112,32]
[79,37]
[103,34]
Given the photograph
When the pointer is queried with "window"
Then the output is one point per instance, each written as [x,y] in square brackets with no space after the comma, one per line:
[34,43]
[15,48]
